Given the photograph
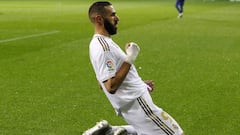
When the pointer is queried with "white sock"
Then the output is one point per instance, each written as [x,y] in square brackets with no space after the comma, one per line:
[130,129]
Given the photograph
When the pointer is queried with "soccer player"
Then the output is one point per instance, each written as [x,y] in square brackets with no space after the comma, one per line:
[179,6]
[119,79]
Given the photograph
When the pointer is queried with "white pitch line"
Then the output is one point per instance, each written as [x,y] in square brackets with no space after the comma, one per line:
[28,36]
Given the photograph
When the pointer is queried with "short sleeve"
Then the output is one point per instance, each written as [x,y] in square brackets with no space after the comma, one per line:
[106,66]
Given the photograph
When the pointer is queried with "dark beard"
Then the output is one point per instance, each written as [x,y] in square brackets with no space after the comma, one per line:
[109,27]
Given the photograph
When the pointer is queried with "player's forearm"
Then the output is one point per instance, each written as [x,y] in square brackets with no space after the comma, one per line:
[132,50]
[113,84]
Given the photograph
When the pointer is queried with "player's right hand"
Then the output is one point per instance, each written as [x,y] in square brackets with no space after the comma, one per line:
[132,50]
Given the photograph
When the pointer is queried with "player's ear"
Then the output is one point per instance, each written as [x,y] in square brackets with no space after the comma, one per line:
[98,19]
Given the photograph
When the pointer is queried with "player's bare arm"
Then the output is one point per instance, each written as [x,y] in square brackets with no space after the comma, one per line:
[112,84]
[132,50]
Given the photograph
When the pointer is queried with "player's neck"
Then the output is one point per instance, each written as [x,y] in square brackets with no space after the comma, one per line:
[102,32]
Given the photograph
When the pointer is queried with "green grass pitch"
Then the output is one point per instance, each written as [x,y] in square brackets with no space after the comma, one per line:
[47,85]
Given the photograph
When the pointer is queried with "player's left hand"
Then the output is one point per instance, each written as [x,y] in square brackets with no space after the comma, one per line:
[150,85]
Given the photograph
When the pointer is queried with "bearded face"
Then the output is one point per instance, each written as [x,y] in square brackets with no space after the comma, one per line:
[111,28]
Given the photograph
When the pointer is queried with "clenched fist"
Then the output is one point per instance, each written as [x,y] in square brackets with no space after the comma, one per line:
[132,50]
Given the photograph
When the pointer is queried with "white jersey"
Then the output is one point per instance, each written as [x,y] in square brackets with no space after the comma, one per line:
[107,57]
[131,100]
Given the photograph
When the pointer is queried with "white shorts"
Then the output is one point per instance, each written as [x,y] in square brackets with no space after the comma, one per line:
[148,119]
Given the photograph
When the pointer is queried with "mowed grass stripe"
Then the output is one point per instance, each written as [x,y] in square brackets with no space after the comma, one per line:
[29,36]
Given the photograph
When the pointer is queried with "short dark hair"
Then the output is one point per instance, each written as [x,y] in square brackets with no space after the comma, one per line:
[97,8]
